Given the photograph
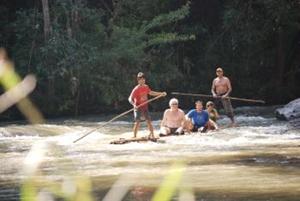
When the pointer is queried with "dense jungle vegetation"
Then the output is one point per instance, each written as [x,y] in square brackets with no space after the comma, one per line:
[86,53]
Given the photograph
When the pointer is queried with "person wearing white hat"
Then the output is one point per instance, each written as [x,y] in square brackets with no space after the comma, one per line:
[173,119]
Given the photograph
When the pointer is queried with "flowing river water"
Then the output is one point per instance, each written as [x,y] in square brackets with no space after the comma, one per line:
[257,160]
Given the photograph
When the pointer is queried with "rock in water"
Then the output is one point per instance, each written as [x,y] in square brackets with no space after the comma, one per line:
[295,122]
[289,111]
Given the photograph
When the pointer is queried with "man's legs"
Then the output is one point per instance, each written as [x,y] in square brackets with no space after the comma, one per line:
[211,125]
[179,131]
[136,127]
[137,119]
[147,117]
[164,131]
[150,127]
[138,115]
[228,109]
[232,120]
[188,126]
[218,103]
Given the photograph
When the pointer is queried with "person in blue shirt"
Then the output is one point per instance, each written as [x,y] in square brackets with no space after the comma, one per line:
[197,118]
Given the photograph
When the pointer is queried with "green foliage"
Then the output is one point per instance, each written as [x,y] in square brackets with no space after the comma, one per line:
[89,62]
[254,31]
[166,19]
[168,38]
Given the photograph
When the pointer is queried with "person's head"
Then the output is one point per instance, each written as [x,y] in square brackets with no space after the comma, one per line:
[210,105]
[3,53]
[173,103]
[199,105]
[141,78]
[219,72]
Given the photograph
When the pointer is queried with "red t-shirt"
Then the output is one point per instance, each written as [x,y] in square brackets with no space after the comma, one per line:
[139,95]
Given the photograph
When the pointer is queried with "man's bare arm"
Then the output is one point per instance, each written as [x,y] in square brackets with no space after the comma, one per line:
[183,120]
[213,88]
[229,87]
[155,93]
[164,119]
[130,100]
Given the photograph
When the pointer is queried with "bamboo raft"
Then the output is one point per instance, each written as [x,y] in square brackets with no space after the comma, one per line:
[141,139]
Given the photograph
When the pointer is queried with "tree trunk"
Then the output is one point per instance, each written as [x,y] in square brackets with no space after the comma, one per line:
[46,14]
[68,25]
[75,16]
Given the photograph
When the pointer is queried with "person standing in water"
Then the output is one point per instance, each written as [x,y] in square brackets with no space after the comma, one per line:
[138,98]
[221,88]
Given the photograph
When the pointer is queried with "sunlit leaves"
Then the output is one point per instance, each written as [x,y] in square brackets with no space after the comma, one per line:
[168,18]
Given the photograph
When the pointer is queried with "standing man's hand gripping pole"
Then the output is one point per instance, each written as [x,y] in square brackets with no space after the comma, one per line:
[155,93]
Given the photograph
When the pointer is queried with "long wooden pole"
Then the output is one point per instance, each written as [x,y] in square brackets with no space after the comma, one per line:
[117,117]
[210,96]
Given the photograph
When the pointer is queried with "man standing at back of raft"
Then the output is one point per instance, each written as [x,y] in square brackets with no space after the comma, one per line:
[139,96]
[221,88]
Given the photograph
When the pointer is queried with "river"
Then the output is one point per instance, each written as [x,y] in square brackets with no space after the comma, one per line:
[257,160]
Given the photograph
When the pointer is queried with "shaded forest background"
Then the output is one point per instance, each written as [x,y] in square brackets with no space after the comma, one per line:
[86,53]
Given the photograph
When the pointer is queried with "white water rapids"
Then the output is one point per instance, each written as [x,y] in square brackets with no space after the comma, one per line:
[258,160]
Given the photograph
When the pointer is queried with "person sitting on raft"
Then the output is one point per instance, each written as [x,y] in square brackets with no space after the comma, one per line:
[197,118]
[213,115]
[173,120]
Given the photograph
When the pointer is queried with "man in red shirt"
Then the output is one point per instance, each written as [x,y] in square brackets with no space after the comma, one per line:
[138,96]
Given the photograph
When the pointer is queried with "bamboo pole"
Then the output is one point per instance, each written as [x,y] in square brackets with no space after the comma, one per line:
[116,117]
[211,96]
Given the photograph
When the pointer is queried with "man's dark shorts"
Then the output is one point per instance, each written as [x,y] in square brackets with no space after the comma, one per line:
[226,103]
[141,115]
[176,131]
[199,129]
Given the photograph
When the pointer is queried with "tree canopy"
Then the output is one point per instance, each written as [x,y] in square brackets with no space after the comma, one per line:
[86,53]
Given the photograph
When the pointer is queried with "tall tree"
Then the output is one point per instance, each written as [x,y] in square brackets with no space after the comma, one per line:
[46,14]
